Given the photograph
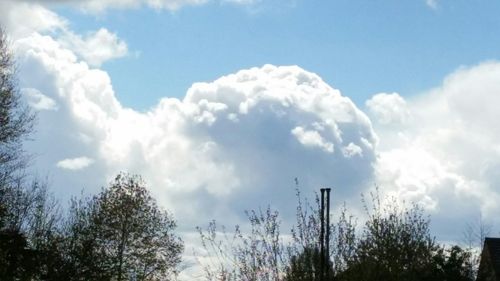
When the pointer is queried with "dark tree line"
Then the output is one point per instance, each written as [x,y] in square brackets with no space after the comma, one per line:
[118,234]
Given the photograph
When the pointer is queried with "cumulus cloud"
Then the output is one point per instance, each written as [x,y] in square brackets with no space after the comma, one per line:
[246,136]
[388,108]
[312,139]
[22,19]
[447,155]
[95,47]
[227,143]
[352,150]
[37,100]
[75,163]
[231,142]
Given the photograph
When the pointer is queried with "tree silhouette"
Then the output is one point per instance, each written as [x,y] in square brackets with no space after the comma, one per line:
[121,234]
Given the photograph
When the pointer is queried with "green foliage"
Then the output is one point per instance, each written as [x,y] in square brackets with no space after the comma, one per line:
[121,234]
[306,267]
[394,244]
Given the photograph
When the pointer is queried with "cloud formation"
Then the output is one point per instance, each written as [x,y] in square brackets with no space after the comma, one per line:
[96,47]
[75,163]
[21,19]
[101,6]
[388,108]
[446,156]
[37,100]
[239,141]
[246,135]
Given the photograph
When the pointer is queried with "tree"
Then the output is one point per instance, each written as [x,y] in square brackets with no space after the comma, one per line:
[394,244]
[121,234]
[258,254]
[474,235]
[22,206]
[452,264]
[16,119]
[261,253]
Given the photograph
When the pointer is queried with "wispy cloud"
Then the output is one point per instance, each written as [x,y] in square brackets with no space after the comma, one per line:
[75,163]
[95,47]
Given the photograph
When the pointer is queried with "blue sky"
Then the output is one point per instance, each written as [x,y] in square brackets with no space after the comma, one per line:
[361,48]
[221,104]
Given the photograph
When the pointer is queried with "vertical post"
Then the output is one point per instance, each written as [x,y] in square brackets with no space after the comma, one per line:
[322,236]
[327,238]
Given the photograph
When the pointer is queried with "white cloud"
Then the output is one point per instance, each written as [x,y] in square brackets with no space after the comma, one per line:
[21,19]
[24,19]
[388,108]
[102,5]
[97,47]
[446,156]
[239,141]
[75,163]
[99,6]
[37,100]
[312,139]
[352,150]
[218,146]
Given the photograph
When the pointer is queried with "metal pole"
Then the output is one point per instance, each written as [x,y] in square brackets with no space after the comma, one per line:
[327,240]
[322,235]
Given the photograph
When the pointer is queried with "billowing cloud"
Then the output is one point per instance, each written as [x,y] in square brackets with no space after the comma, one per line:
[239,141]
[21,19]
[75,163]
[388,108]
[312,139]
[228,142]
[447,155]
[37,100]
[96,47]
[246,136]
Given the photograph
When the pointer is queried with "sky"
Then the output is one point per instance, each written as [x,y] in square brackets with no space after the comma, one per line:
[221,104]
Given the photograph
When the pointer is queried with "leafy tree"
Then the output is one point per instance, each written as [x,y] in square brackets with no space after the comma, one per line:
[121,234]
[306,266]
[395,245]
[452,264]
